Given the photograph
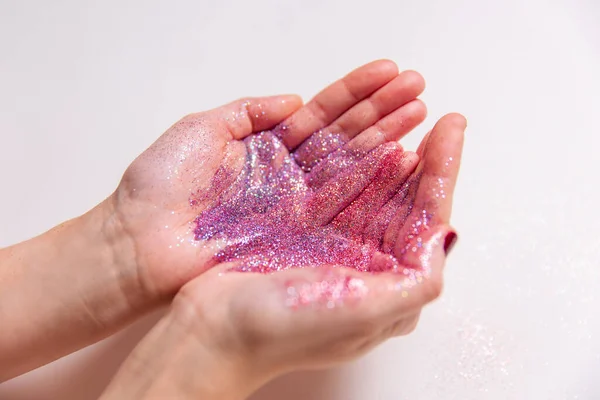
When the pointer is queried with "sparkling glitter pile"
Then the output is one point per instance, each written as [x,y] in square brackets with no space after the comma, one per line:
[276,216]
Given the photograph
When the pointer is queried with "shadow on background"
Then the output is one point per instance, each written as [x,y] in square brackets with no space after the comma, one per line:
[310,385]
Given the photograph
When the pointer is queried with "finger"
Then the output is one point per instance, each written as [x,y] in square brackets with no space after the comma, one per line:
[429,193]
[439,169]
[420,279]
[334,100]
[317,147]
[383,231]
[421,148]
[354,218]
[337,193]
[415,252]
[249,115]
[401,90]
[333,165]
[392,127]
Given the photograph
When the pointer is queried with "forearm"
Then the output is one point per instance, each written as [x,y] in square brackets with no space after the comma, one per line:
[172,363]
[65,289]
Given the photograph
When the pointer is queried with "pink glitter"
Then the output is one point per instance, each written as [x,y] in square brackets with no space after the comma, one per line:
[277,214]
[329,292]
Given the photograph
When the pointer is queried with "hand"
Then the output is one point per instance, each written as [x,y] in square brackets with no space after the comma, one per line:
[247,328]
[168,186]
[310,317]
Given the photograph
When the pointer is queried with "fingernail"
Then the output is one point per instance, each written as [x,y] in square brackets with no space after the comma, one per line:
[449,241]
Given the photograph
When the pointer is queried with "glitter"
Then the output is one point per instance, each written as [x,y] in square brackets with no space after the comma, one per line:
[318,147]
[329,292]
[287,210]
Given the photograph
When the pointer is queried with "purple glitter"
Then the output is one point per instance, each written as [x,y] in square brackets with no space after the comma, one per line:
[276,215]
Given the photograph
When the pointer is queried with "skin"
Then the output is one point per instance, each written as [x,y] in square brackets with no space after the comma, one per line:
[91,276]
[239,327]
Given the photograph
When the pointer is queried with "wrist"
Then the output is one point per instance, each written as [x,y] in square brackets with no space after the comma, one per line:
[119,253]
[66,289]
[174,362]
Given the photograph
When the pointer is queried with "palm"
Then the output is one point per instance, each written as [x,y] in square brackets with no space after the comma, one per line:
[190,167]
[155,193]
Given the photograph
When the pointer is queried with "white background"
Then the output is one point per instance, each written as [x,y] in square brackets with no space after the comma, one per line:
[85,86]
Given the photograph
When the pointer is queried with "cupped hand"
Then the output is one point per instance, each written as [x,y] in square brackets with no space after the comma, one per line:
[189,169]
[322,315]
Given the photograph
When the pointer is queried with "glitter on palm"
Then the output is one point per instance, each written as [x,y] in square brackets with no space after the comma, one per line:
[278,214]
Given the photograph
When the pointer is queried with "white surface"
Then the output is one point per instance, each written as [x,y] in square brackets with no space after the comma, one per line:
[86,86]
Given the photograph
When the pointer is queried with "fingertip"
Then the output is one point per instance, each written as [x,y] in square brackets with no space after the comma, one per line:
[455,120]
[292,99]
[413,112]
[448,133]
[288,103]
[410,157]
[420,109]
[415,79]
[386,66]
[423,144]
[252,114]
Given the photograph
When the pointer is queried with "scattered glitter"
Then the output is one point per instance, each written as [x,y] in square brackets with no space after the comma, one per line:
[330,292]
